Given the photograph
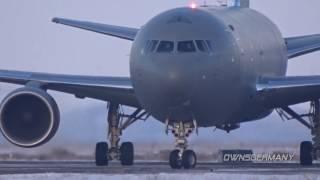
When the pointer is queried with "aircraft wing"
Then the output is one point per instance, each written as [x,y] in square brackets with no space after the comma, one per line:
[285,91]
[298,46]
[115,89]
[116,31]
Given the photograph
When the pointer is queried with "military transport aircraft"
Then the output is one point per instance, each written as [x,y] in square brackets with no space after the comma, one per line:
[190,67]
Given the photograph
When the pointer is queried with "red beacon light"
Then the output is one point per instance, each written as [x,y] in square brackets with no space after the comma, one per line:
[193,5]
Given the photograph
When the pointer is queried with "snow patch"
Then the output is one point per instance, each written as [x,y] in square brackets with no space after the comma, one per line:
[162,176]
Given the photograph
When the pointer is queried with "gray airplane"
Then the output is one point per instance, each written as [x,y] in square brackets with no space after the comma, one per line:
[191,67]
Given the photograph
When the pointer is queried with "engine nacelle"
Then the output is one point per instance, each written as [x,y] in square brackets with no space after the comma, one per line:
[29,117]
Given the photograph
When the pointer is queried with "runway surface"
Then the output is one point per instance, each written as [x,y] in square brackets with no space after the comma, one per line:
[31,167]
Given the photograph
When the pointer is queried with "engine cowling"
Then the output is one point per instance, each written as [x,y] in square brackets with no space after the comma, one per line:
[29,117]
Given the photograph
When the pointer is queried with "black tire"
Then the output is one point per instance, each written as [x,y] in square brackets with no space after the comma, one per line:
[102,154]
[174,160]
[127,154]
[189,159]
[306,153]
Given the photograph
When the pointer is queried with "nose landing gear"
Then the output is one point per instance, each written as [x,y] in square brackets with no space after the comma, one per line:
[181,156]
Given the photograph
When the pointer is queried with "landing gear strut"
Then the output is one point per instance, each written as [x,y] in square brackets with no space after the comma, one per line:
[309,151]
[181,156]
[125,152]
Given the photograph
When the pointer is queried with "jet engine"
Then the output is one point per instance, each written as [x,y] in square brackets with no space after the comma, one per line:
[29,117]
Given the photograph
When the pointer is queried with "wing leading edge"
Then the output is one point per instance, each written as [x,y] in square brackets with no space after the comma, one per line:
[298,46]
[116,31]
[286,91]
[115,89]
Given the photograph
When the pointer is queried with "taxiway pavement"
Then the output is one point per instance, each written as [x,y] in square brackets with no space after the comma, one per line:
[38,167]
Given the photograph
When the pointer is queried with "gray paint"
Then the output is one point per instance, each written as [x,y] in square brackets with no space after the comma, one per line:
[57,49]
[213,89]
[116,89]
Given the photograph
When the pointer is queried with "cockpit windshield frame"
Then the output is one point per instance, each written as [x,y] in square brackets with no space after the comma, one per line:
[166,47]
[187,46]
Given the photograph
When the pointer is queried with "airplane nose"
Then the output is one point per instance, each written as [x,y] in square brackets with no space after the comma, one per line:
[176,86]
[179,92]
[166,83]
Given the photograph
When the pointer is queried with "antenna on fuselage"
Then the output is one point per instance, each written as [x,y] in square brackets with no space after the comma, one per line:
[229,3]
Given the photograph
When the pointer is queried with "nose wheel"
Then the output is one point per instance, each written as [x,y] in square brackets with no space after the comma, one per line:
[182,157]
[187,160]
[175,159]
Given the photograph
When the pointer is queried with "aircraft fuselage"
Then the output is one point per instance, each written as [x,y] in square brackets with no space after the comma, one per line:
[204,63]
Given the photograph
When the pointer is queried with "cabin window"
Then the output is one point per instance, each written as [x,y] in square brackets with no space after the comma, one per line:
[165,47]
[186,46]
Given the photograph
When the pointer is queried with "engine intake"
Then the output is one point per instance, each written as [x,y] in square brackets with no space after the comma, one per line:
[29,117]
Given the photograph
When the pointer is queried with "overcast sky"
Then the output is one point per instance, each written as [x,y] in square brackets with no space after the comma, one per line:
[30,42]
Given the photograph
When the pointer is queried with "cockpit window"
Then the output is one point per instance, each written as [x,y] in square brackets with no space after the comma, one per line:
[202,45]
[186,46]
[153,45]
[165,47]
